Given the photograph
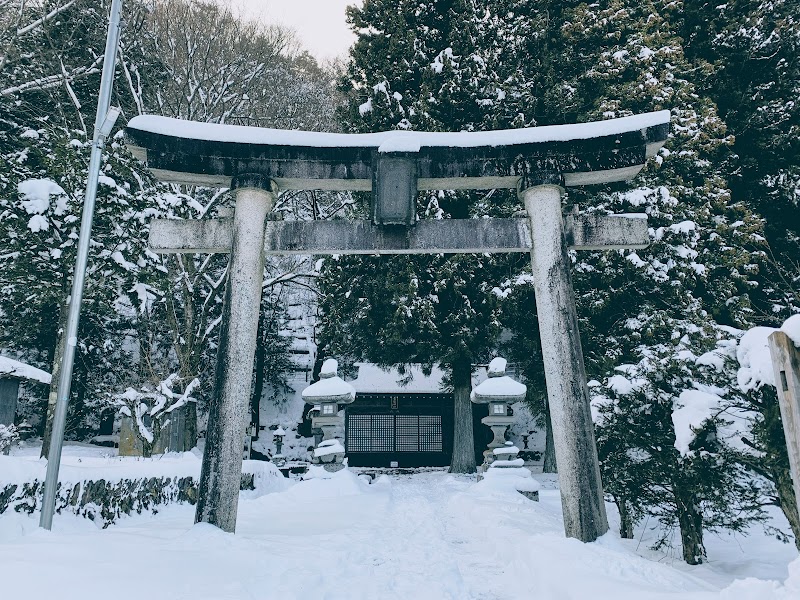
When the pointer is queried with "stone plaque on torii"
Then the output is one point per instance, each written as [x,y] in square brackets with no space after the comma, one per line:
[538,162]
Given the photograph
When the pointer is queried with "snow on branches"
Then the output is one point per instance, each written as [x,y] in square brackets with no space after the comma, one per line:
[8,436]
[151,406]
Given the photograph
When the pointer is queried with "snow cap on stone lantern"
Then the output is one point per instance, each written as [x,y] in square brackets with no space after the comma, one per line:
[499,389]
[330,390]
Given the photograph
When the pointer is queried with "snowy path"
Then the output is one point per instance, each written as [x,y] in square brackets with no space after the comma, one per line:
[426,536]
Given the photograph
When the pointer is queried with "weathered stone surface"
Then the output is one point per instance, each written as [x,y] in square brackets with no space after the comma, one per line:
[395,189]
[129,444]
[498,425]
[173,437]
[595,231]
[565,375]
[229,408]
[449,236]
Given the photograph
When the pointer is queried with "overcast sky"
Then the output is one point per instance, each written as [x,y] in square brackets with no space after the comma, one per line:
[320,24]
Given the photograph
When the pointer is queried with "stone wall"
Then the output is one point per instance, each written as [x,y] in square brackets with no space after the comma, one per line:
[105,501]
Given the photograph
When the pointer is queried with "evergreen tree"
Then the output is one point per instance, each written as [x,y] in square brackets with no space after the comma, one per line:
[421,65]
[670,445]
[152,315]
[754,48]
[649,306]
[47,78]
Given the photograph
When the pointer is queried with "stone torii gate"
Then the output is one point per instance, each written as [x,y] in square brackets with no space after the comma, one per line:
[538,162]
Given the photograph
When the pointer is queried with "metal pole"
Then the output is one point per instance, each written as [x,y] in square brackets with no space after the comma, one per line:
[102,127]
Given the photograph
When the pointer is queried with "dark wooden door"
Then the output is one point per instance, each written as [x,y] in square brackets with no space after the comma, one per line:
[9,391]
[402,430]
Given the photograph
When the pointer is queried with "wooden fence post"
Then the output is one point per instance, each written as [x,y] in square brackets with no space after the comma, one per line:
[786,366]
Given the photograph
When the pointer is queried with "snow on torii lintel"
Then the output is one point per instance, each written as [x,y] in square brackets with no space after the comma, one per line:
[20,370]
[394,141]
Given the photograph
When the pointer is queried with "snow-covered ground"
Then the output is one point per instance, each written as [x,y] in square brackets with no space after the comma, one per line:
[86,462]
[427,535]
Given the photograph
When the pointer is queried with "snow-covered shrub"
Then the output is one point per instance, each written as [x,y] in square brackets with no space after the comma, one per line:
[8,436]
[151,406]
[669,433]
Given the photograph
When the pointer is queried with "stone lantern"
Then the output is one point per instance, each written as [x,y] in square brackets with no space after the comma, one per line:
[498,391]
[277,437]
[328,394]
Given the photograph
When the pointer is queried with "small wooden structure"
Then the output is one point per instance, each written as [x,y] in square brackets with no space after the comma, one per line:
[399,420]
[538,162]
[11,373]
[405,421]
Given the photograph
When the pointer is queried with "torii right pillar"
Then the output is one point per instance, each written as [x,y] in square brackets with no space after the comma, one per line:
[565,374]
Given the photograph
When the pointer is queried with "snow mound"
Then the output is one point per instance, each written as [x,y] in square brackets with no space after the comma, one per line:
[400,141]
[319,484]
[330,387]
[754,359]
[622,385]
[791,327]
[372,379]
[508,473]
[758,589]
[333,387]
[328,447]
[36,194]
[692,409]
[329,367]
[755,363]
[498,366]
[510,479]
[498,386]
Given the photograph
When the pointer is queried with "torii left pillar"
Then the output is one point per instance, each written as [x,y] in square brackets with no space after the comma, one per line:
[220,478]
[567,393]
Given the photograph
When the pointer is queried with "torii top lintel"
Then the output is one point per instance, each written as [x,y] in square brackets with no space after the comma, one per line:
[210,154]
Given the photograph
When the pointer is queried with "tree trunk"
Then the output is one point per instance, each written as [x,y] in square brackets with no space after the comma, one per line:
[463,460]
[788,503]
[549,465]
[190,426]
[691,524]
[258,385]
[625,520]
[147,447]
[52,398]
